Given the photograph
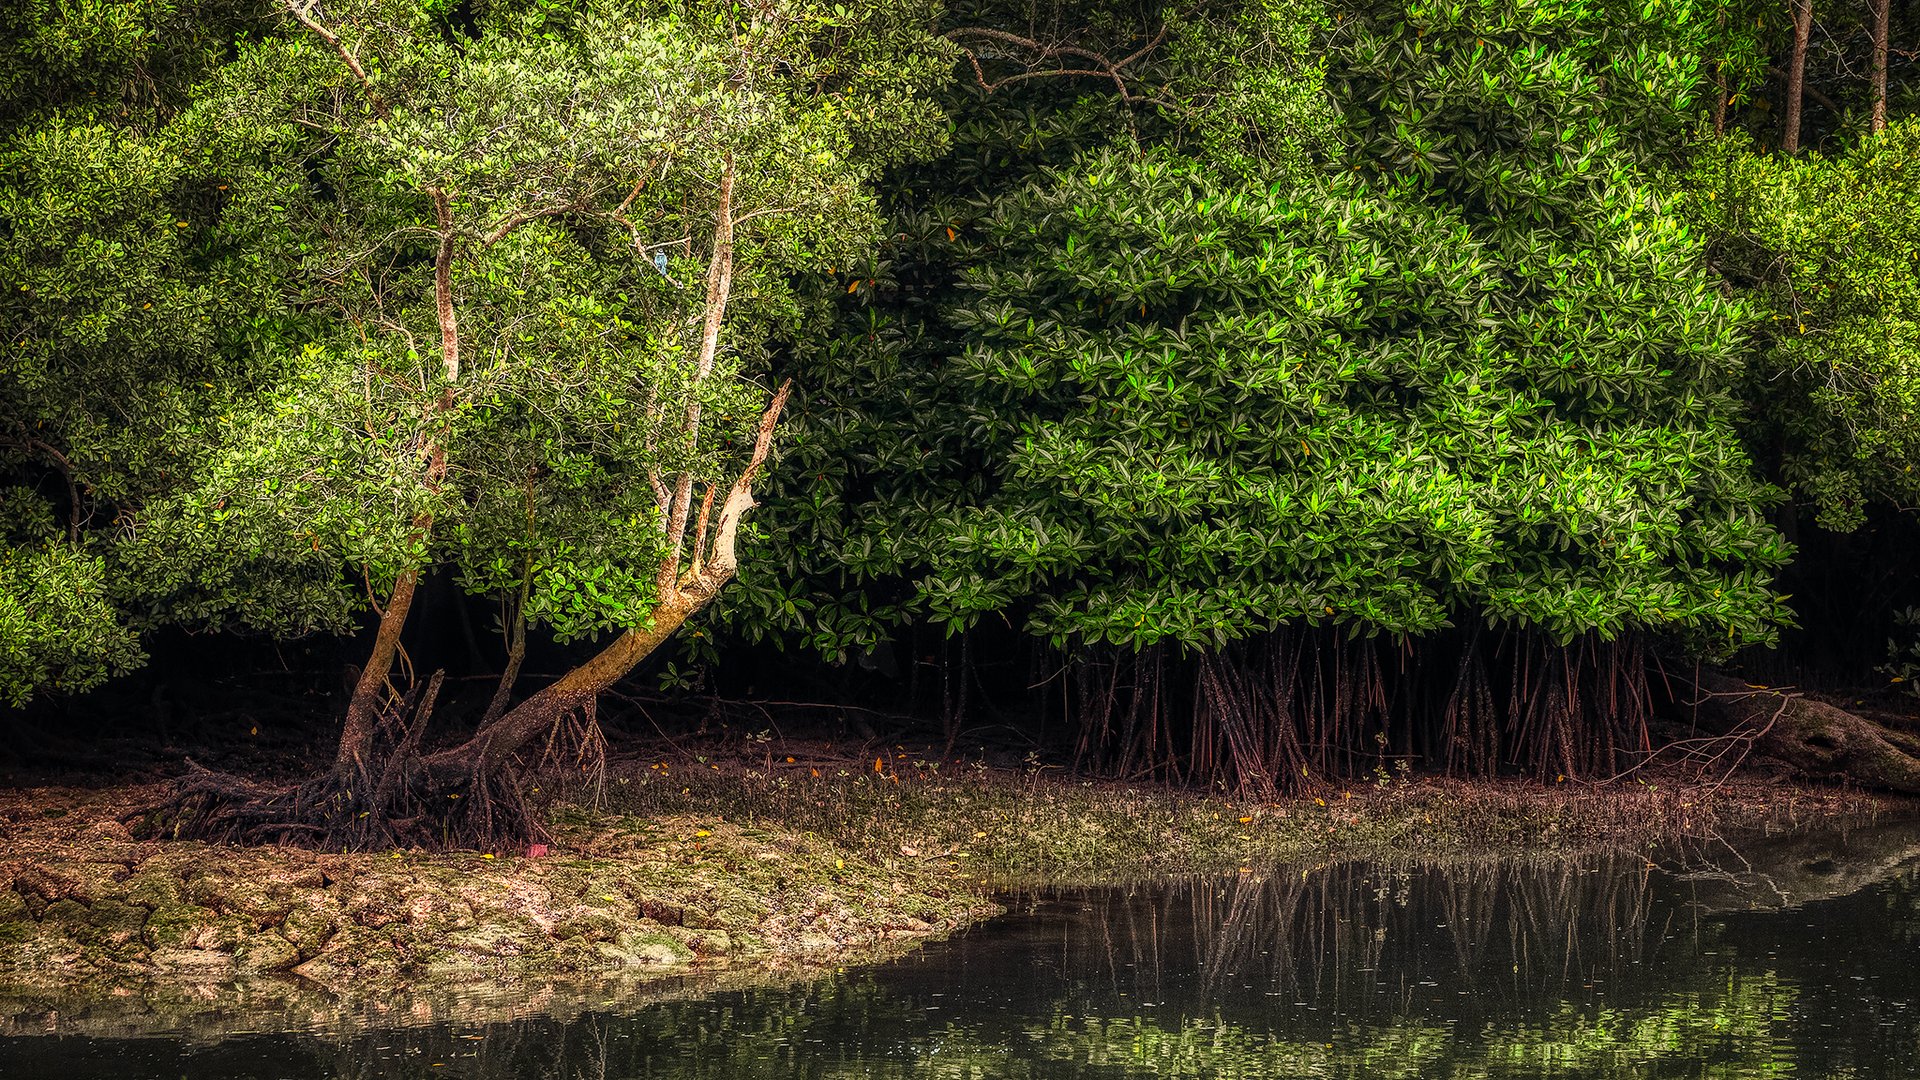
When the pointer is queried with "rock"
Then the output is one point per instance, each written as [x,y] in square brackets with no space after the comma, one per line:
[309,929]
[815,941]
[266,952]
[703,942]
[117,924]
[191,961]
[645,949]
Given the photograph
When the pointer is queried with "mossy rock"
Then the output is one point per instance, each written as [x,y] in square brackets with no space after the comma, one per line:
[157,890]
[646,949]
[356,949]
[172,922]
[175,927]
[90,881]
[196,962]
[704,942]
[117,927]
[591,927]
[310,928]
[497,942]
[266,952]
[263,903]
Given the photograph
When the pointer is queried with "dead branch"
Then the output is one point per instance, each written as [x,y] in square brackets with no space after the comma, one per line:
[1047,59]
[302,11]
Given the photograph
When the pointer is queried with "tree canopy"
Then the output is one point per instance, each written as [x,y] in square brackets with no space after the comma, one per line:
[1134,329]
[1448,354]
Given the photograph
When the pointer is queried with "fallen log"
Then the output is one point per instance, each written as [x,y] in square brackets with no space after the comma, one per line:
[1819,740]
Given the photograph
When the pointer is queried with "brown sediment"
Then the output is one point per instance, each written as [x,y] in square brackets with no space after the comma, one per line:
[614,896]
[1019,826]
[706,860]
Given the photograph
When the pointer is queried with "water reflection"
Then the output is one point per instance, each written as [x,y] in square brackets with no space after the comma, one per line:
[1789,957]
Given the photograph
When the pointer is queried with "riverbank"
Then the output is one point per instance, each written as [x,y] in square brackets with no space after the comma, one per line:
[700,858]
[612,893]
[1033,826]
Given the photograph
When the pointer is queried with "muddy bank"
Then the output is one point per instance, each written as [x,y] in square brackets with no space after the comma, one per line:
[1017,827]
[206,1012]
[699,860]
[614,895]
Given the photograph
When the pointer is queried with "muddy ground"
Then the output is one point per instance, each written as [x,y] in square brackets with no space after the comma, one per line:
[732,853]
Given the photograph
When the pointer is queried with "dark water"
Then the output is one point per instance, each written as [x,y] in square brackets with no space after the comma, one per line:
[1787,958]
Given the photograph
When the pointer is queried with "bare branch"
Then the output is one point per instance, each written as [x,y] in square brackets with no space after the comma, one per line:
[65,465]
[762,212]
[1812,92]
[719,288]
[722,560]
[1042,53]
[719,285]
[506,227]
[700,532]
[302,11]
[443,286]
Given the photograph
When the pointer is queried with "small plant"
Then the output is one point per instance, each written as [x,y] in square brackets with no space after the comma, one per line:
[1903,650]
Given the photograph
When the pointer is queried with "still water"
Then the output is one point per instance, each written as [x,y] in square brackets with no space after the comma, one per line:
[1791,957]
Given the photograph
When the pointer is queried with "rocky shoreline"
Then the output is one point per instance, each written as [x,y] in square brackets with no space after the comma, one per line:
[727,865]
[80,898]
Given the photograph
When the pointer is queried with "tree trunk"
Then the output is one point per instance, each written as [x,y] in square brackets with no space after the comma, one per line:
[1719,102]
[1796,76]
[354,754]
[1881,11]
[1815,738]
[494,743]
[383,791]
[516,655]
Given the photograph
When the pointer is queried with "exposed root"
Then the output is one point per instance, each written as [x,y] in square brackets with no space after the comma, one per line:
[1301,706]
[1817,739]
[389,795]
[412,808]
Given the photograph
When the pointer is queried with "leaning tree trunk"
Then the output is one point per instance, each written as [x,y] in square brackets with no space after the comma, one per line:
[1816,739]
[385,789]
[370,691]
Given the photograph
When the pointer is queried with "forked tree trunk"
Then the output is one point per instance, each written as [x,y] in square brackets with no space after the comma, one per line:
[713,563]
[383,791]
[494,744]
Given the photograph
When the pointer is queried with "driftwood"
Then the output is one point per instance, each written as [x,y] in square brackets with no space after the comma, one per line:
[1783,872]
[1818,740]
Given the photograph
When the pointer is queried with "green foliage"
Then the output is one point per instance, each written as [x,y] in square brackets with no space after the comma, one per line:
[1903,650]
[58,627]
[567,153]
[126,318]
[1513,108]
[227,384]
[1825,249]
[1470,366]
[1243,82]
[1374,314]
